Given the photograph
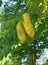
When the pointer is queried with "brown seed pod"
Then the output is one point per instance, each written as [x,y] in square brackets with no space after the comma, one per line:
[20,32]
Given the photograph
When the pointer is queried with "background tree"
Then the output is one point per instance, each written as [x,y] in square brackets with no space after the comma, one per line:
[9,43]
[46,63]
[0,2]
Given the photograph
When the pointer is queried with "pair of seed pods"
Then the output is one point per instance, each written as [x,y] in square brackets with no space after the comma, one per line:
[24,28]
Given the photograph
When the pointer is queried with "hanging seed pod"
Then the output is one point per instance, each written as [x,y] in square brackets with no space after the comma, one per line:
[28,25]
[20,32]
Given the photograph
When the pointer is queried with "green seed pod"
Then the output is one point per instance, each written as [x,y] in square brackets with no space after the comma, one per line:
[28,25]
[20,32]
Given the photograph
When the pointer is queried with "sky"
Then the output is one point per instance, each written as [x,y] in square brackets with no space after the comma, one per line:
[43,57]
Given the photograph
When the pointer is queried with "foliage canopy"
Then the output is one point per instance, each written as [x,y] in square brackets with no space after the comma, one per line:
[10,16]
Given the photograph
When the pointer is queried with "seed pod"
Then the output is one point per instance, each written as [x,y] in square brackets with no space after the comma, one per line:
[28,25]
[20,32]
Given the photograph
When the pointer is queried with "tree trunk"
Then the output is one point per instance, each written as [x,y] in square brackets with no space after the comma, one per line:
[34,55]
